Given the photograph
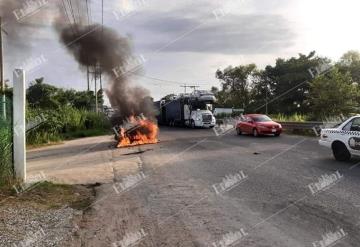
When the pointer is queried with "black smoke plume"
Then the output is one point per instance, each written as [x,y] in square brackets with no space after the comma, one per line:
[95,44]
[90,45]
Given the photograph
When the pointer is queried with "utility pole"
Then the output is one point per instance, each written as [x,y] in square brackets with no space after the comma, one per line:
[194,87]
[95,72]
[96,96]
[266,101]
[88,78]
[189,86]
[100,79]
[102,31]
[100,68]
[2,82]
[184,87]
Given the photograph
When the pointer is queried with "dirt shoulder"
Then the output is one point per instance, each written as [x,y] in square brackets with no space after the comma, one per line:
[44,214]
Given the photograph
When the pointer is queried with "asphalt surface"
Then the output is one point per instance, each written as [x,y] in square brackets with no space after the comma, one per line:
[174,203]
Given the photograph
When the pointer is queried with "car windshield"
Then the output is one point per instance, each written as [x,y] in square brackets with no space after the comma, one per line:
[262,118]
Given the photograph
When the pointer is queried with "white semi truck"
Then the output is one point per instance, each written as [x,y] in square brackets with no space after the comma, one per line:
[193,110]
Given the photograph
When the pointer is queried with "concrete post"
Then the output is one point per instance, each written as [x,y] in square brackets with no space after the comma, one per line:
[19,126]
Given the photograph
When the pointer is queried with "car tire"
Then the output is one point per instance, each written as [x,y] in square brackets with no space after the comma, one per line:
[340,152]
[255,132]
[238,131]
[277,134]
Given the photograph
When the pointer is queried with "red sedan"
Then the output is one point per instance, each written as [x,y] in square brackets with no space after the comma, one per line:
[258,124]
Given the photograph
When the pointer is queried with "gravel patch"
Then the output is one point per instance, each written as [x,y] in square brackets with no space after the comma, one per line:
[22,226]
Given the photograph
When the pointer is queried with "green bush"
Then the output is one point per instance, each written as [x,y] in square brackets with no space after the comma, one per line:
[228,115]
[289,118]
[64,123]
[6,168]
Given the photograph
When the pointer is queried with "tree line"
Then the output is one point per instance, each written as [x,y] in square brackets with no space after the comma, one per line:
[307,84]
[45,96]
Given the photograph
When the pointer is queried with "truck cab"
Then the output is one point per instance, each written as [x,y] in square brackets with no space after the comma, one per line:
[192,110]
[198,111]
[199,118]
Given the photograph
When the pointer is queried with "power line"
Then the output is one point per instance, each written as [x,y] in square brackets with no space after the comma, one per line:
[79,15]
[168,81]
[158,79]
[102,33]
[102,13]
[189,86]
[72,11]
[67,15]
[87,12]
[90,15]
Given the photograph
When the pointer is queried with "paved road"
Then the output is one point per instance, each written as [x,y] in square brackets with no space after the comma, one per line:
[267,201]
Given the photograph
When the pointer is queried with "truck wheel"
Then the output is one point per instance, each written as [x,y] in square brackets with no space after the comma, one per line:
[340,152]
[255,132]
[238,131]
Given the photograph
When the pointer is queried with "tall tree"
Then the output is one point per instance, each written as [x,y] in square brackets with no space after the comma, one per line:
[333,94]
[260,93]
[350,62]
[42,95]
[45,96]
[236,84]
[288,83]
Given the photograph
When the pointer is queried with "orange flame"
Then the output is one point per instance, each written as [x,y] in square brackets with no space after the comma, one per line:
[144,132]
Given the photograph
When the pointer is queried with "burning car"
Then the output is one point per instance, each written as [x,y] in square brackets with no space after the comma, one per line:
[136,131]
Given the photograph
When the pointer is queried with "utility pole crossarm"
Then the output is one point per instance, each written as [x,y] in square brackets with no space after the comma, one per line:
[190,86]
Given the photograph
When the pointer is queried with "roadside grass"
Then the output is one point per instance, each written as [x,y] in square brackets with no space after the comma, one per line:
[44,141]
[6,169]
[86,133]
[63,124]
[296,117]
[47,195]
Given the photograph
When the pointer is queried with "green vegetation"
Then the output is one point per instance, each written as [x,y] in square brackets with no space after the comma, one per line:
[54,114]
[65,123]
[307,85]
[227,115]
[289,118]
[62,114]
[334,94]
[45,96]
[6,169]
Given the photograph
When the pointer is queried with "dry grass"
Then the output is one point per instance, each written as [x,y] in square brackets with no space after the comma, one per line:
[47,195]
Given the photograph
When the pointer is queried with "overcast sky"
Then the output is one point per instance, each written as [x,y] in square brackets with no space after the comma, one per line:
[187,41]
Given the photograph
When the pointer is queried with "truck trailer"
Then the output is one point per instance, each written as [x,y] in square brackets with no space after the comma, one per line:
[192,110]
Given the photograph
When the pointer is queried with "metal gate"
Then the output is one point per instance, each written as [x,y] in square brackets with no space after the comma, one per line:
[6,138]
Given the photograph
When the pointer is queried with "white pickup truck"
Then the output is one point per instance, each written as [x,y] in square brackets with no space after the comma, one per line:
[344,139]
